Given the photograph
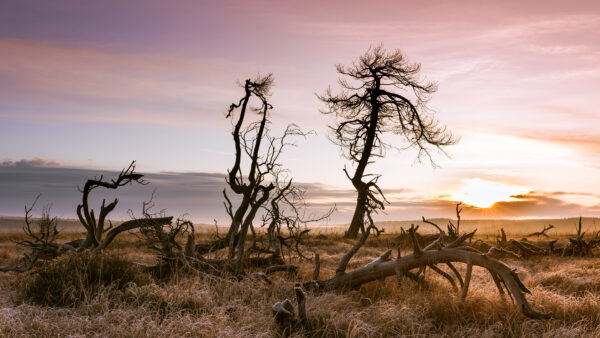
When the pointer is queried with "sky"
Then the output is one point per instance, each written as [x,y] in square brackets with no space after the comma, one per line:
[87,86]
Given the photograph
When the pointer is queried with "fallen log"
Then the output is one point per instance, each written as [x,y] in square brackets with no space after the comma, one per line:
[383,267]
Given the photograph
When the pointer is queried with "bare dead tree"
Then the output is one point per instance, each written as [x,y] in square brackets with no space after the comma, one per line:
[542,232]
[524,247]
[253,180]
[287,218]
[578,246]
[521,248]
[433,256]
[165,241]
[251,202]
[174,246]
[162,238]
[42,241]
[98,235]
[381,92]
[454,230]
[274,218]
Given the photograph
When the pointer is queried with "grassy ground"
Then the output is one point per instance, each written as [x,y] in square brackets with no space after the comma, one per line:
[192,306]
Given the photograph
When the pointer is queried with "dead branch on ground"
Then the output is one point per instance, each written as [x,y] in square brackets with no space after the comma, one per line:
[432,256]
[542,232]
[578,246]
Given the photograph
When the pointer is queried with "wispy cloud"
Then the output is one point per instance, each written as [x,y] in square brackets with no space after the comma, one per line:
[96,85]
[579,140]
[34,162]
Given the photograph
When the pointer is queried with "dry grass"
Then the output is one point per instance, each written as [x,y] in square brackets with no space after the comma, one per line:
[71,279]
[192,306]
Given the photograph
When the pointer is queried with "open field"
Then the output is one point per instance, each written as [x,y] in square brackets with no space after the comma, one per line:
[189,305]
[516,227]
[485,227]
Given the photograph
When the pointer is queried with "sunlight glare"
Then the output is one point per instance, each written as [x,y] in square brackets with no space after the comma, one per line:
[483,194]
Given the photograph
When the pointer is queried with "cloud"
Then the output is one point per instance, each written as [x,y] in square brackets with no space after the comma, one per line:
[532,204]
[573,193]
[200,196]
[566,112]
[319,191]
[34,162]
[100,85]
[580,140]
[194,193]
[197,194]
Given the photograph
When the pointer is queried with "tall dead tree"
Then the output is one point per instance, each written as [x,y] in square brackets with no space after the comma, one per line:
[381,92]
[252,181]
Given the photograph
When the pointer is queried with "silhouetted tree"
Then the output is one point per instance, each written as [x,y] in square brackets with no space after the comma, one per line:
[41,237]
[381,92]
[255,181]
[286,217]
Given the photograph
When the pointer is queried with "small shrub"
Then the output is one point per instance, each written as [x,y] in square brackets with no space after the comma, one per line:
[71,279]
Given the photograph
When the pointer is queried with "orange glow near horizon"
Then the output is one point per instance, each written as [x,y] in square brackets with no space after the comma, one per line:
[484,194]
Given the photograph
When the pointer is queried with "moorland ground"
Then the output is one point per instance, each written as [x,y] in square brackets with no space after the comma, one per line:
[191,305]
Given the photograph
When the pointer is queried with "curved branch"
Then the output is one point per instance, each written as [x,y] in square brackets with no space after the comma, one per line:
[383,269]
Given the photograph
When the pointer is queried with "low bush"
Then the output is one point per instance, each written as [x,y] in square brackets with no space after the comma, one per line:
[71,279]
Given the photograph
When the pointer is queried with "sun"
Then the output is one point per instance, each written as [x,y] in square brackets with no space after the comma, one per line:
[484,194]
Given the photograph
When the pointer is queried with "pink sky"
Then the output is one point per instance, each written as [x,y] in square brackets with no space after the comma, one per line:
[97,84]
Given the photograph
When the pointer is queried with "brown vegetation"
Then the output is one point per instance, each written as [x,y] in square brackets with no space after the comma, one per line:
[71,279]
[189,304]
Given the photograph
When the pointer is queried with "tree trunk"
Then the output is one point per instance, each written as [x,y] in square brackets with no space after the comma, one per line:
[384,267]
[358,220]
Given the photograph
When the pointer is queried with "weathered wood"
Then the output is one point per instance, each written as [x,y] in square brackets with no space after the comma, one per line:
[283,312]
[130,225]
[301,300]
[542,232]
[465,289]
[382,269]
[317,267]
